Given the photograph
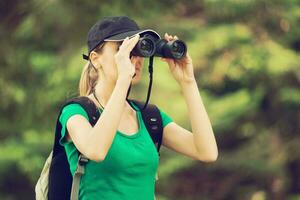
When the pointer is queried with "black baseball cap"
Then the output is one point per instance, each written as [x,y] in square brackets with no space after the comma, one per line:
[115,28]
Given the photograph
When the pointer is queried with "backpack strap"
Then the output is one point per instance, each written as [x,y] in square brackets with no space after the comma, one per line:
[62,189]
[93,115]
[88,106]
[80,170]
[153,121]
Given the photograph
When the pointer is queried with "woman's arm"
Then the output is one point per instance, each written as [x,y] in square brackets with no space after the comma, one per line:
[203,134]
[94,142]
[200,144]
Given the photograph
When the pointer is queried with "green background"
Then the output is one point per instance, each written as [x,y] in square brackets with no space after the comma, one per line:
[246,62]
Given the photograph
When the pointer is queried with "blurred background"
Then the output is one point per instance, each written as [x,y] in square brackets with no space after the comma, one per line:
[246,61]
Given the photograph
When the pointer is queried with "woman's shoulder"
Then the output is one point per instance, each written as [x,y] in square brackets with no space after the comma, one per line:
[166,119]
[70,110]
[73,105]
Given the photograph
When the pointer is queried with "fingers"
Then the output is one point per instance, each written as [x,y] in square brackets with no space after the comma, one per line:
[167,37]
[124,44]
[132,42]
[128,44]
[170,37]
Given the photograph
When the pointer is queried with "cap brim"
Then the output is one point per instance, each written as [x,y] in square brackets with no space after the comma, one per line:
[130,34]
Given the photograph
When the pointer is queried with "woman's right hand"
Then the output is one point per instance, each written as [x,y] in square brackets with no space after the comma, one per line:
[125,67]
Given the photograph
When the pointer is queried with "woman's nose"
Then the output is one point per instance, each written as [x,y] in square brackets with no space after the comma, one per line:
[138,61]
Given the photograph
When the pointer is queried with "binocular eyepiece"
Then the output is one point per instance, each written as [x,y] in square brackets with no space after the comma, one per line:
[148,46]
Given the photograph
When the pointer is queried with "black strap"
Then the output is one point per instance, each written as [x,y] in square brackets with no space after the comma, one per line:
[153,121]
[85,57]
[150,69]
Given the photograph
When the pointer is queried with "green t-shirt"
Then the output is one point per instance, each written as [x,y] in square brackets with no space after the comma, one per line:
[129,168]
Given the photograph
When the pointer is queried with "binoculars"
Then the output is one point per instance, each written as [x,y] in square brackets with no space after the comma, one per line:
[148,46]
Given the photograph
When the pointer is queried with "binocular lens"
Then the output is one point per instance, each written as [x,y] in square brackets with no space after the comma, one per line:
[170,49]
[146,45]
[144,48]
[178,49]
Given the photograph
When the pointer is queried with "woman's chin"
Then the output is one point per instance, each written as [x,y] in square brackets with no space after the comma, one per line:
[136,80]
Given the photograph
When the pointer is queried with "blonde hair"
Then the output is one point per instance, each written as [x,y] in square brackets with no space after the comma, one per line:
[88,79]
[89,76]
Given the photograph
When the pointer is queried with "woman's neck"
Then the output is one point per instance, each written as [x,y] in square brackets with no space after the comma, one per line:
[103,92]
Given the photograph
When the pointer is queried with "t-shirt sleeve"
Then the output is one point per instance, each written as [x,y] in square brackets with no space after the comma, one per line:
[166,119]
[67,112]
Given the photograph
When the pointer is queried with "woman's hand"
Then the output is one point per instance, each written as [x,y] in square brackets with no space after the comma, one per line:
[126,69]
[182,70]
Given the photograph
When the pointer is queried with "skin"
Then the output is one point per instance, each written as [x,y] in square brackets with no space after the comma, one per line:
[109,70]
[115,73]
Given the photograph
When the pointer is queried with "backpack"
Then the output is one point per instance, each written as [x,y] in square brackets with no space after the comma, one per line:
[56,181]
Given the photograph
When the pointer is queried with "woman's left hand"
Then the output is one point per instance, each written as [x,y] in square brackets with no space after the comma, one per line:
[182,69]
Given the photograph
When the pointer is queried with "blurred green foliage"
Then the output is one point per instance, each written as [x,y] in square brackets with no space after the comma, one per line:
[246,61]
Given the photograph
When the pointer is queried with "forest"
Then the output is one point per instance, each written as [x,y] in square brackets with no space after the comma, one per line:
[246,56]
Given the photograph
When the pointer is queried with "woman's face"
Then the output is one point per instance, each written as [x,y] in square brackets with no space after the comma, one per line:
[106,60]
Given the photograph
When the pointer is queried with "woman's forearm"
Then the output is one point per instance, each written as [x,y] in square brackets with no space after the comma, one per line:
[103,133]
[204,138]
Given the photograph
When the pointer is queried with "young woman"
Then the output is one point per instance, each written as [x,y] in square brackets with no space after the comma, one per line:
[123,158]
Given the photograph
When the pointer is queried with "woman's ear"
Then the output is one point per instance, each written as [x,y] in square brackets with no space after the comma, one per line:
[94,57]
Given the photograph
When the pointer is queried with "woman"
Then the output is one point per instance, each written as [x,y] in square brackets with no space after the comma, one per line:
[123,159]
